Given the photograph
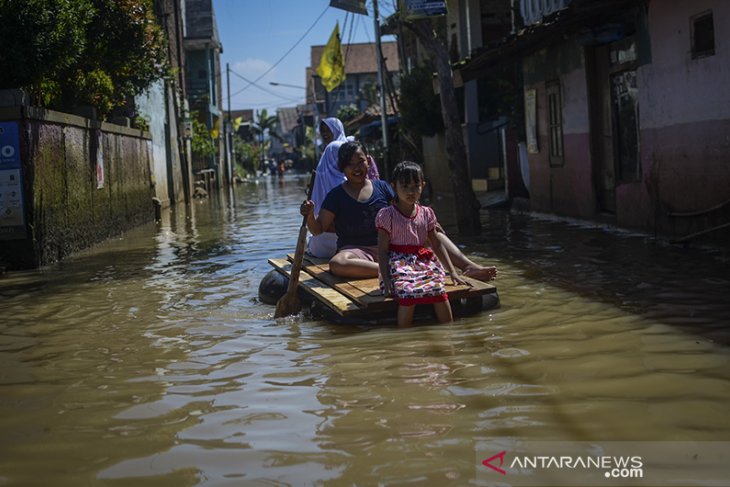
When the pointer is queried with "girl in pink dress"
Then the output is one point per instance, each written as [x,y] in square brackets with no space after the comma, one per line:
[409,270]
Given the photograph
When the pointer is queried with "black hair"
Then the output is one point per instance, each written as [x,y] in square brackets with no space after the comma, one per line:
[408,172]
[345,153]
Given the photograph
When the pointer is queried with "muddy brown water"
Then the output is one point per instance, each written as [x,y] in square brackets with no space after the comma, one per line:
[148,359]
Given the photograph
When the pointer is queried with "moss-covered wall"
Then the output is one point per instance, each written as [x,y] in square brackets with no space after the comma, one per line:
[65,210]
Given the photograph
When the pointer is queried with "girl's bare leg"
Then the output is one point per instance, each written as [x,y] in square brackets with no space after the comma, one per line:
[347,264]
[443,312]
[405,316]
[468,267]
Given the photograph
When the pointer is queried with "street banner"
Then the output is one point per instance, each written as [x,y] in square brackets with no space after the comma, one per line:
[355,6]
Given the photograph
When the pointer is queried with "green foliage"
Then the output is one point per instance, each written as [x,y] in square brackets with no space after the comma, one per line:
[420,108]
[201,143]
[81,52]
[265,124]
[40,39]
[247,155]
[141,123]
[369,93]
[347,113]
[307,148]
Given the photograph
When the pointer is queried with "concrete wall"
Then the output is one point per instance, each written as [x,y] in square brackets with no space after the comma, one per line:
[685,123]
[157,106]
[66,207]
[566,189]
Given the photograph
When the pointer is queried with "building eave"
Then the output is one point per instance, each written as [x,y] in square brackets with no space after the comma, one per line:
[535,37]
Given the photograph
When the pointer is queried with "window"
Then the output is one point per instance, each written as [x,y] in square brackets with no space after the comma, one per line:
[555,123]
[703,35]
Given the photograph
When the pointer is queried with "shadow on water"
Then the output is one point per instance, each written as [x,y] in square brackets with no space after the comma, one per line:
[677,286]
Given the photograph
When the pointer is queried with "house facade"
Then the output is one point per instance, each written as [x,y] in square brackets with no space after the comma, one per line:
[361,77]
[163,106]
[203,81]
[626,111]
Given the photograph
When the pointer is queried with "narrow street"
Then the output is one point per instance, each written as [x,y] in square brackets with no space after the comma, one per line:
[148,359]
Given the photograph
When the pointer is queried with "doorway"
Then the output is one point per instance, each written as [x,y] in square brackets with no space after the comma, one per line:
[614,109]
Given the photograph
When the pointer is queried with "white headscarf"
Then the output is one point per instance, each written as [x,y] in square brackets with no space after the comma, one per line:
[328,175]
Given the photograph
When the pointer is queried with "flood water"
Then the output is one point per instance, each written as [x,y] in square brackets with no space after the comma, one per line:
[148,360]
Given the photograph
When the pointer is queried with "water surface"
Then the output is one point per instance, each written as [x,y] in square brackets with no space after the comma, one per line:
[148,360]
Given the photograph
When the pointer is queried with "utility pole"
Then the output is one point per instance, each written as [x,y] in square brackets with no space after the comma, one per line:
[381,82]
[227,130]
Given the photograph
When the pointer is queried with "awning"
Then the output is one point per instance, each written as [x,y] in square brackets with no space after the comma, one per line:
[579,15]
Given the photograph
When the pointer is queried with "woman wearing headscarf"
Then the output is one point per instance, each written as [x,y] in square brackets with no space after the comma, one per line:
[328,176]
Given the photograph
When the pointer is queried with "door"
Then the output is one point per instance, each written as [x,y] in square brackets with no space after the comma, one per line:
[614,112]
[597,63]
[625,104]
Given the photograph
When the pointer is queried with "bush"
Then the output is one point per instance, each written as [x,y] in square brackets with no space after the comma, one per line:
[420,107]
[202,142]
[81,52]
[40,39]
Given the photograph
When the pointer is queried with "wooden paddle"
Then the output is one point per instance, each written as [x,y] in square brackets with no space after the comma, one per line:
[289,303]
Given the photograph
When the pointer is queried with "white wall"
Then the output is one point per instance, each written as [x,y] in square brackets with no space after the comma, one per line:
[151,105]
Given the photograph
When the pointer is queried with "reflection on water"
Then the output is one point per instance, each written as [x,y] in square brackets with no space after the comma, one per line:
[149,361]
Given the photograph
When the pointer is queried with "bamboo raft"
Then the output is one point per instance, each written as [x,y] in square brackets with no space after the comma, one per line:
[362,299]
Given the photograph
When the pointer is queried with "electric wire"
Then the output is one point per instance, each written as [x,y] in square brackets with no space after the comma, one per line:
[265,90]
[285,54]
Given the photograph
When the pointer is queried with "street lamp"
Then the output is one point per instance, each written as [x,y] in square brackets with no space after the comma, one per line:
[274,83]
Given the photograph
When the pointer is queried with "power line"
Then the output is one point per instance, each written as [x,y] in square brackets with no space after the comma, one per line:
[265,90]
[285,54]
[275,104]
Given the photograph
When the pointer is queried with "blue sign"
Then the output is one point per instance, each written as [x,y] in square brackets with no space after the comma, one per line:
[9,145]
[424,8]
[12,207]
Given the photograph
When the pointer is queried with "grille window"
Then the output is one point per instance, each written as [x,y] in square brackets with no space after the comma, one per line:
[555,123]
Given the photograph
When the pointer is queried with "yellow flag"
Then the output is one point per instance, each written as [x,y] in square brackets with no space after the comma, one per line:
[216,128]
[237,123]
[332,66]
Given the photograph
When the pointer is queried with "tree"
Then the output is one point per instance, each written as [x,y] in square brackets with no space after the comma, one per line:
[307,148]
[347,113]
[40,39]
[369,93]
[467,205]
[247,155]
[81,52]
[420,108]
[265,123]
[127,47]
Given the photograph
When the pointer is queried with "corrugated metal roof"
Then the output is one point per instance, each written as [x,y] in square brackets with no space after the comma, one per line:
[288,118]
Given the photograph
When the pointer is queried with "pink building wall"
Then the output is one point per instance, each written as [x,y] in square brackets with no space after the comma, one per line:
[567,189]
[684,125]
[684,110]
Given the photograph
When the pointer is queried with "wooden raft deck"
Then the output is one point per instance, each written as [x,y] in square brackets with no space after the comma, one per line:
[360,296]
